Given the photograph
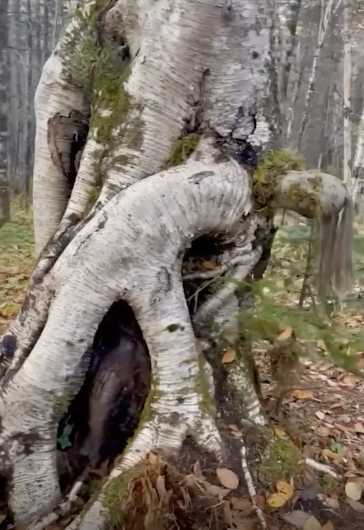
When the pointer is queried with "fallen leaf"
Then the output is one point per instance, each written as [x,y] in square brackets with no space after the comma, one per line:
[321,415]
[312,524]
[359,428]
[209,265]
[259,501]
[285,489]
[196,468]
[215,491]
[302,394]
[2,517]
[279,432]
[333,456]
[276,500]
[229,356]
[354,489]
[322,431]
[286,334]
[332,502]
[356,505]
[328,526]
[241,504]
[296,518]
[227,478]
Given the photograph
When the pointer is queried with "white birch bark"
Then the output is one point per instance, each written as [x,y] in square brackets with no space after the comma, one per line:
[207,64]
[326,12]
[347,92]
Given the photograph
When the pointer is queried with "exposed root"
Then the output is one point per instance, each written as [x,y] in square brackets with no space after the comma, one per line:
[63,509]
[241,381]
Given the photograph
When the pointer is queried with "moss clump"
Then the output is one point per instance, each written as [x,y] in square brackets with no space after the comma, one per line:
[182,150]
[270,168]
[116,494]
[281,461]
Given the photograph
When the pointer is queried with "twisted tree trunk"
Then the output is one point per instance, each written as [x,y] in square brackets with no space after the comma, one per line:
[177,100]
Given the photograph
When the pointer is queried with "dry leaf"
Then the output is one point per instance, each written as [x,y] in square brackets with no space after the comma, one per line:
[333,456]
[302,394]
[312,524]
[2,517]
[241,504]
[286,334]
[285,489]
[321,415]
[296,518]
[210,266]
[276,500]
[227,478]
[229,356]
[354,489]
[196,468]
[259,501]
[215,491]
[359,428]
[153,458]
[328,526]
[356,505]
[279,432]
[322,431]
[332,502]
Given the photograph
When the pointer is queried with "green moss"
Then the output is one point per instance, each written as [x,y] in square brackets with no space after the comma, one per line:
[207,403]
[281,461]
[182,150]
[270,168]
[101,74]
[115,495]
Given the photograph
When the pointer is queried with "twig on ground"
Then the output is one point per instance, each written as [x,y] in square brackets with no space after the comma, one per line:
[322,467]
[251,487]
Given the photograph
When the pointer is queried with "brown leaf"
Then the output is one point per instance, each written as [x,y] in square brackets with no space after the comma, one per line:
[356,505]
[259,501]
[359,428]
[332,502]
[229,356]
[302,394]
[209,266]
[296,518]
[241,504]
[328,526]
[354,489]
[312,524]
[227,478]
[286,334]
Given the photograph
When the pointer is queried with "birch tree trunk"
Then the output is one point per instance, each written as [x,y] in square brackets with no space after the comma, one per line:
[347,92]
[4,112]
[151,117]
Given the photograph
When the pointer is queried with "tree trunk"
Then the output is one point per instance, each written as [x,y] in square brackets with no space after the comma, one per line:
[177,102]
[4,112]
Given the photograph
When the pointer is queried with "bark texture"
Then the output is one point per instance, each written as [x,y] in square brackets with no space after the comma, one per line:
[151,117]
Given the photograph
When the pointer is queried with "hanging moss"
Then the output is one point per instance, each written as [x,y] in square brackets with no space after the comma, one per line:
[270,168]
[182,150]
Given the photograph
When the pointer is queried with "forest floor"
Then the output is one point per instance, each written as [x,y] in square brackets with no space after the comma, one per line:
[321,420]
